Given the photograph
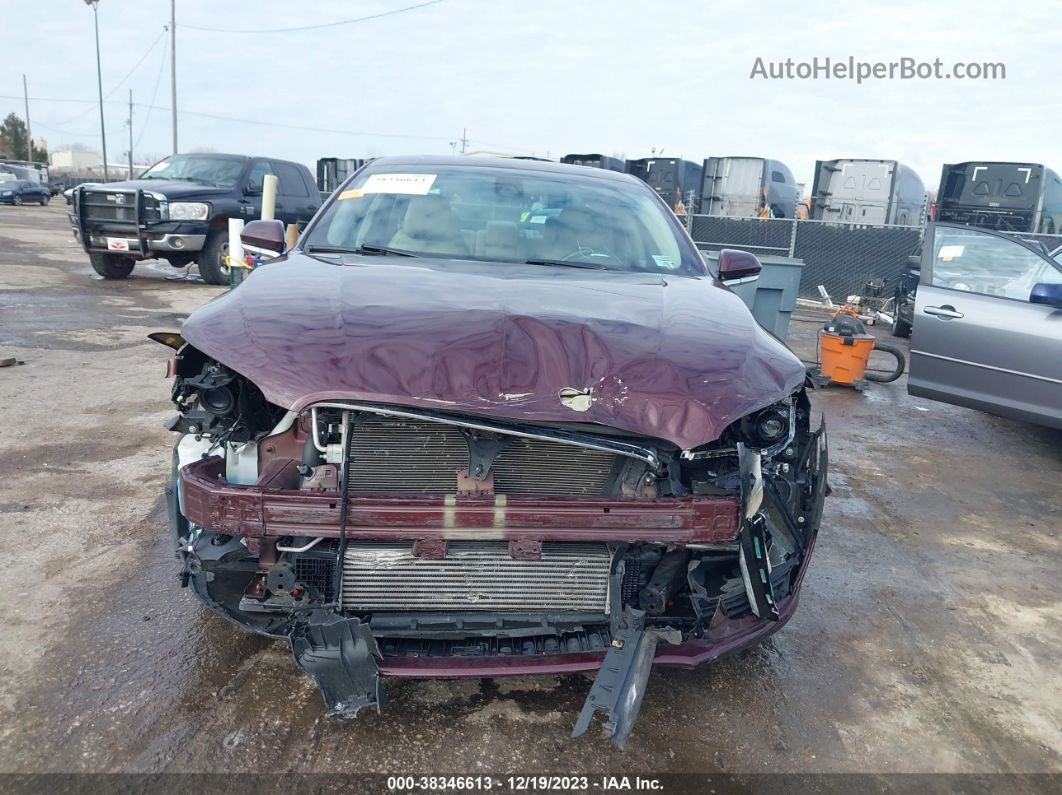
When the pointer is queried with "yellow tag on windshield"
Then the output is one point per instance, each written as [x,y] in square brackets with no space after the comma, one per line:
[353,193]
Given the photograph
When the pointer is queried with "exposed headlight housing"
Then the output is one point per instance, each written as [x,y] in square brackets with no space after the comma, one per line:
[767,431]
[189,211]
[765,428]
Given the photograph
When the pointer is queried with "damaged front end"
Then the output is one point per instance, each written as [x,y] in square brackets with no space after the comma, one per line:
[388,540]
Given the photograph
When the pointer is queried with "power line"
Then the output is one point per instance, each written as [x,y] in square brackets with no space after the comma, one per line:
[151,104]
[255,122]
[50,99]
[120,82]
[303,128]
[92,134]
[318,27]
[241,121]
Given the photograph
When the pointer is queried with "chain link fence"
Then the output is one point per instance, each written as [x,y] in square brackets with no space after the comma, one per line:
[840,257]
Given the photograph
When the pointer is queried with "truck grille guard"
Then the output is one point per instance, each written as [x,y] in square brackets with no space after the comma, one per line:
[132,227]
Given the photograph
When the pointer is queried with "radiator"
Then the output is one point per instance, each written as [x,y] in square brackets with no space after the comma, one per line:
[476,575]
[393,456]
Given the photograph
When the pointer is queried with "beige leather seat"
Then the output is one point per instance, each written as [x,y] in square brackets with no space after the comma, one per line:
[430,227]
[500,240]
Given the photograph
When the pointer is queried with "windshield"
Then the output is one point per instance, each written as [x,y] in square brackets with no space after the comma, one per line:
[504,215]
[976,261]
[221,172]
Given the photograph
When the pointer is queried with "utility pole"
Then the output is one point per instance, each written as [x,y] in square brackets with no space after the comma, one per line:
[173,69]
[29,131]
[464,139]
[99,83]
[130,133]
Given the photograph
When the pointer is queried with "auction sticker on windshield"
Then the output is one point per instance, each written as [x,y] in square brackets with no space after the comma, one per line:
[411,184]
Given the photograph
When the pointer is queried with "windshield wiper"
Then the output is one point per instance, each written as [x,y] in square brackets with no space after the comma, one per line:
[562,263]
[362,249]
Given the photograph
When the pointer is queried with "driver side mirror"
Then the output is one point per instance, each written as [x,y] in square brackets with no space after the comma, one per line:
[264,237]
[914,261]
[1046,293]
[736,267]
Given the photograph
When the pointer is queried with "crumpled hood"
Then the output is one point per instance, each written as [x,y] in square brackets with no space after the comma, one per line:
[675,358]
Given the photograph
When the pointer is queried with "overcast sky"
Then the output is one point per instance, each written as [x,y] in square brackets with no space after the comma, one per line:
[546,77]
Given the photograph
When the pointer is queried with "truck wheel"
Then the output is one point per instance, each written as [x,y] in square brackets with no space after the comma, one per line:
[211,259]
[111,266]
[900,327]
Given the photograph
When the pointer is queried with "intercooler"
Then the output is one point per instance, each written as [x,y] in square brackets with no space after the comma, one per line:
[474,576]
[394,456]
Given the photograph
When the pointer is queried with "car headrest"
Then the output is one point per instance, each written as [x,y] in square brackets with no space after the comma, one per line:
[430,217]
[501,238]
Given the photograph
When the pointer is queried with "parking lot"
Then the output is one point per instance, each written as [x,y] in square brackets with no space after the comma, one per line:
[927,639]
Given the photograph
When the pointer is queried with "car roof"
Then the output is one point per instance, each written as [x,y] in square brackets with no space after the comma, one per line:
[506,163]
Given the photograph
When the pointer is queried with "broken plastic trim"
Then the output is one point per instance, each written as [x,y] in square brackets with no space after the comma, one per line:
[753,560]
[340,654]
[622,678]
[171,339]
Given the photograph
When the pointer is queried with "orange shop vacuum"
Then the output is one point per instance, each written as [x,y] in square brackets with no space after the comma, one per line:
[844,351]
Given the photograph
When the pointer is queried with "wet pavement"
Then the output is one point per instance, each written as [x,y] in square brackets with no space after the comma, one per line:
[927,640]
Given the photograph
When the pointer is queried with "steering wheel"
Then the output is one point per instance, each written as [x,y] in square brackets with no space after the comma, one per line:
[585,253]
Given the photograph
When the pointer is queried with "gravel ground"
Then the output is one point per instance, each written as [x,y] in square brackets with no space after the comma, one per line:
[928,638]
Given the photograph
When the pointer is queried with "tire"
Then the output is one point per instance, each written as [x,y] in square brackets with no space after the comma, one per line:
[211,259]
[901,363]
[44,200]
[17,200]
[900,327]
[111,266]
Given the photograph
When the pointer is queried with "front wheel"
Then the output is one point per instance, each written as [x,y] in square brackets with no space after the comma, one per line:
[111,266]
[44,200]
[18,201]
[900,327]
[212,266]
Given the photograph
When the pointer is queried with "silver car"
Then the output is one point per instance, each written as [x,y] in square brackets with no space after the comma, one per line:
[988,325]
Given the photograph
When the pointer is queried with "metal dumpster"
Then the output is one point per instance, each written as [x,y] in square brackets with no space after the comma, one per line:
[771,297]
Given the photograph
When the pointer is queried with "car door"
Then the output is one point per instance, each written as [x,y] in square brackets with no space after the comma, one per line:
[291,192]
[978,340]
[251,203]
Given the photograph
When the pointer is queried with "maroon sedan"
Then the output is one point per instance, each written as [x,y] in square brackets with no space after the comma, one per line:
[493,417]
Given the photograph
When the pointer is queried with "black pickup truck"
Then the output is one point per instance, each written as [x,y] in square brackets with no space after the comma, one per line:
[178,210]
